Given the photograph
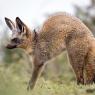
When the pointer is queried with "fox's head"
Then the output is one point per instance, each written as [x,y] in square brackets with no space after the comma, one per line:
[21,34]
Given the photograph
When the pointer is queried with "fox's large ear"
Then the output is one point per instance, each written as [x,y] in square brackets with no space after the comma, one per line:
[20,25]
[10,24]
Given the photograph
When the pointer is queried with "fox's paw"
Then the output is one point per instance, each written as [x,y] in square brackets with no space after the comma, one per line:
[89,81]
[80,81]
[30,86]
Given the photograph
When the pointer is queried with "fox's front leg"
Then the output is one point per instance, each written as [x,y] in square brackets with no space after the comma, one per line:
[38,67]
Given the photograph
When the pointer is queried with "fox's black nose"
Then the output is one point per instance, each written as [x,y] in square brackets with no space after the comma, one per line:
[16,40]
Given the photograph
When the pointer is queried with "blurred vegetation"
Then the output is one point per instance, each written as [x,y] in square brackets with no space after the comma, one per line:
[58,77]
[87,15]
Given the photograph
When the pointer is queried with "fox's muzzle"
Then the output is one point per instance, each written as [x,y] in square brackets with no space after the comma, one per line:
[11,46]
[13,43]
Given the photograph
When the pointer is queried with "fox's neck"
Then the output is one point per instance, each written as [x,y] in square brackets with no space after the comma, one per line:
[32,40]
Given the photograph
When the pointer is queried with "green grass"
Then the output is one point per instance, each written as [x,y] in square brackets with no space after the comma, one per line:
[14,80]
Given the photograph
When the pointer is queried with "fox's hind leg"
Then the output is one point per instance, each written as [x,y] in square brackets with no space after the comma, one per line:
[89,74]
[94,78]
[90,68]
[78,67]
[79,74]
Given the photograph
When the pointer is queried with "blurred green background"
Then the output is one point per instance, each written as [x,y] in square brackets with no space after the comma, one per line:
[58,77]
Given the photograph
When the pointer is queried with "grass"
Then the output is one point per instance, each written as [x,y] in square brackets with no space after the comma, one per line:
[14,80]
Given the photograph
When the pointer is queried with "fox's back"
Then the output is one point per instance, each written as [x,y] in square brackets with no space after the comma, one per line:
[51,37]
[63,18]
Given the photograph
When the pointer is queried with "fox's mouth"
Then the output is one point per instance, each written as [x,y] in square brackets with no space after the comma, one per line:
[11,46]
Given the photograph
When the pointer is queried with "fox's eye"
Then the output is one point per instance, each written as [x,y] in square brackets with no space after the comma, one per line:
[16,40]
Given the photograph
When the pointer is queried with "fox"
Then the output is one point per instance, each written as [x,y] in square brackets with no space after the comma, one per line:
[60,32]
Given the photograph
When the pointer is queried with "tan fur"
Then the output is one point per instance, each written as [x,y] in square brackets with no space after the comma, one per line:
[63,31]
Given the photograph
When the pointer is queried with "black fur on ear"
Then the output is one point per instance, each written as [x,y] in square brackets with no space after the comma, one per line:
[35,35]
[20,24]
[9,23]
